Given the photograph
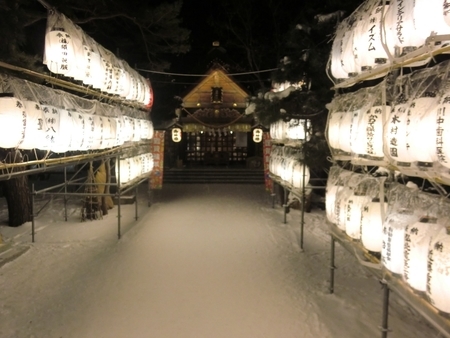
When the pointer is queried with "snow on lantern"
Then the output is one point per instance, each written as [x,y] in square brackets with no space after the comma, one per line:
[176,135]
[35,128]
[438,280]
[393,239]
[417,240]
[257,135]
[299,129]
[372,218]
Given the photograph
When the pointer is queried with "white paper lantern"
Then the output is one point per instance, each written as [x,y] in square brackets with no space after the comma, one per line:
[438,281]
[367,39]
[417,241]
[347,57]
[392,252]
[442,128]
[353,215]
[372,218]
[421,131]
[300,176]
[369,132]
[64,132]
[336,53]
[51,122]
[136,127]
[35,127]
[347,131]
[342,196]
[99,130]
[59,51]
[80,132]
[109,132]
[124,172]
[13,119]
[396,134]
[334,123]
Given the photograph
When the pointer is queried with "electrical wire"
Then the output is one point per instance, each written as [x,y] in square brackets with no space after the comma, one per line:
[205,75]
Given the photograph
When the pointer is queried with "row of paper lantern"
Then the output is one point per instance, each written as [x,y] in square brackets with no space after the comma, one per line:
[128,169]
[375,33]
[415,131]
[294,129]
[413,245]
[31,125]
[288,167]
[72,53]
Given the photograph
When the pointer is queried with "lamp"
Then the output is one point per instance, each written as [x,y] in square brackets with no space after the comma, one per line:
[443,131]
[417,239]
[176,135]
[353,214]
[257,135]
[396,133]
[64,129]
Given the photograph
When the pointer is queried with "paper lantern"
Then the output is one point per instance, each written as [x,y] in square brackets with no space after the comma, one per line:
[109,132]
[367,38]
[396,133]
[300,176]
[64,130]
[257,135]
[393,239]
[372,218]
[127,130]
[51,122]
[336,68]
[443,131]
[13,119]
[347,57]
[369,133]
[342,196]
[146,163]
[59,51]
[80,134]
[334,122]
[346,131]
[123,171]
[417,241]
[278,130]
[421,131]
[95,70]
[353,215]
[34,137]
[108,67]
[176,135]
[438,281]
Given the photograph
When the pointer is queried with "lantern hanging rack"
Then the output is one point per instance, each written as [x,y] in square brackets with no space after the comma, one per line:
[69,85]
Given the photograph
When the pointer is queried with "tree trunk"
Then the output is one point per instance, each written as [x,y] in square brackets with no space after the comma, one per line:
[17,193]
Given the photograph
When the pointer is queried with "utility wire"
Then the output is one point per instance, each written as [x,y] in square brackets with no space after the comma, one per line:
[203,75]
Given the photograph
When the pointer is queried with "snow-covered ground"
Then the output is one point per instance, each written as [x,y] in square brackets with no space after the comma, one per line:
[202,261]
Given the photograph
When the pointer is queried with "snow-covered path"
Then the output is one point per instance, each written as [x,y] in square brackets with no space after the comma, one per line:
[205,261]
